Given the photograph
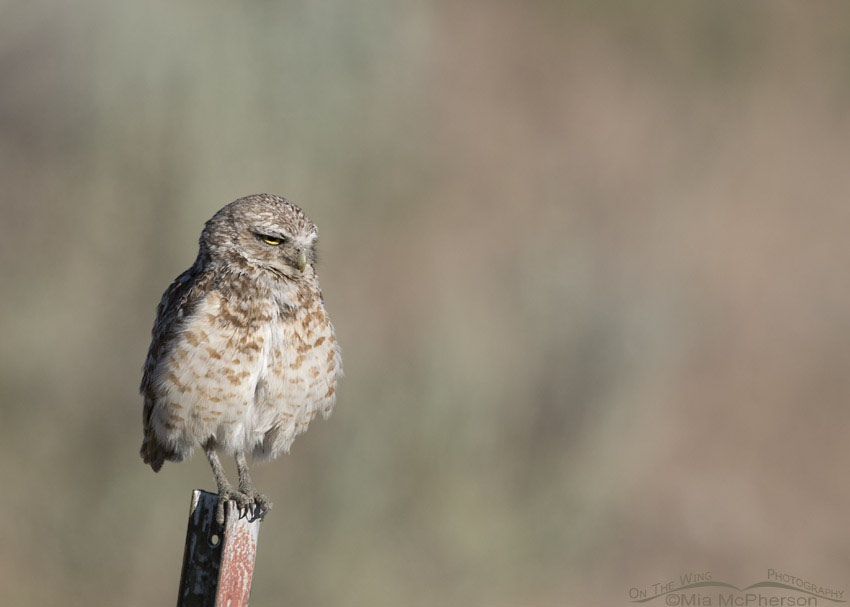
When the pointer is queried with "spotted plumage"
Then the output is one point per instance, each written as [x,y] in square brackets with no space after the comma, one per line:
[243,353]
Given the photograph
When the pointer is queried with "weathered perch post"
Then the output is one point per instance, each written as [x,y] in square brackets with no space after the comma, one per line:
[218,562]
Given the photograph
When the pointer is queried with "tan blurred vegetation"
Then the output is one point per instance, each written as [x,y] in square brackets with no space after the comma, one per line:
[587,262]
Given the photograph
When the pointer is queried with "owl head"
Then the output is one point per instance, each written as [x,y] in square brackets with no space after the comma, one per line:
[262,232]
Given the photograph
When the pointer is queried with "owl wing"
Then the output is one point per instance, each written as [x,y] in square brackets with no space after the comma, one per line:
[177,303]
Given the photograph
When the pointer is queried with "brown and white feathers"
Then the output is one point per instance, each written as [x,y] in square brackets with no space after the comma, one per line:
[243,353]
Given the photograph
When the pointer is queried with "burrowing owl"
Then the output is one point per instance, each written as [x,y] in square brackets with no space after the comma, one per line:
[243,354]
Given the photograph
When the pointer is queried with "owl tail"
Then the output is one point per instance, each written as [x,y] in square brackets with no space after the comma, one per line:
[152,454]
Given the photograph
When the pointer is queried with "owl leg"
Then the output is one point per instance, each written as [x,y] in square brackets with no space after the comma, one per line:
[225,489]
[246,487]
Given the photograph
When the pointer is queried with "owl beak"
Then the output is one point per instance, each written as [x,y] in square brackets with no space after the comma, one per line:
[301,260]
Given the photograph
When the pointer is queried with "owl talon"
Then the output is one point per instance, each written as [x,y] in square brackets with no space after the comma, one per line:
[220,510]
[258,506]
[241,500]
[263,503]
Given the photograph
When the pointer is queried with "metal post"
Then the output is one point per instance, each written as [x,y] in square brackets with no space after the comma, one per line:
[218,561]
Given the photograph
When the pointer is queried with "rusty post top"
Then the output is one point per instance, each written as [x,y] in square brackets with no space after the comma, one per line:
[218,562]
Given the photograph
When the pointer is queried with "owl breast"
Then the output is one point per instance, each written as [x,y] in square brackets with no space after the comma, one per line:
[251,376]
[299,377]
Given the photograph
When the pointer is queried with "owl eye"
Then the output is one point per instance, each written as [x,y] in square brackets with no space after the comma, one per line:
[271,240]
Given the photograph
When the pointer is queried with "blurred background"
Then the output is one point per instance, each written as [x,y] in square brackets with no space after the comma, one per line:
[587,262]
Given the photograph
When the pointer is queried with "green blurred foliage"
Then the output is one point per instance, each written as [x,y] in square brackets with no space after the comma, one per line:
[587,262]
